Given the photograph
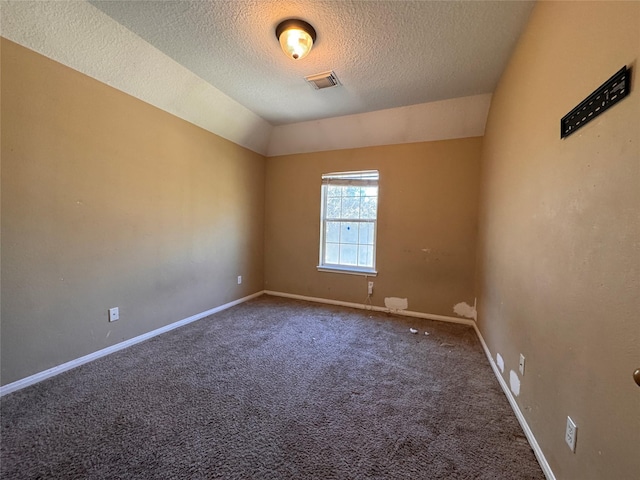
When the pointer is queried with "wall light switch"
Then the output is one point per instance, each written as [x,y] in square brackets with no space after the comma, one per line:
[114,314]
[521,364]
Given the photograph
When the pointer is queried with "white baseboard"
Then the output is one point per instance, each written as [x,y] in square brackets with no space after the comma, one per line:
[546,469]
[362,306]
[38,377]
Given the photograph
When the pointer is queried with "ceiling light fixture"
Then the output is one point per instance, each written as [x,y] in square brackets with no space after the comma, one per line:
[296,38]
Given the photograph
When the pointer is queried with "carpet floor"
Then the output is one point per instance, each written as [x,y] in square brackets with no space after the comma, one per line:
[274,389]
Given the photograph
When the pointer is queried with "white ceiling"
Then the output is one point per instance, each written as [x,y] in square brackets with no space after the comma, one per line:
[386,53]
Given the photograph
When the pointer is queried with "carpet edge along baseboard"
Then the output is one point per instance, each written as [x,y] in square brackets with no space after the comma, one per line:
[365,306]
[53,371]
[542,460]
[58,369]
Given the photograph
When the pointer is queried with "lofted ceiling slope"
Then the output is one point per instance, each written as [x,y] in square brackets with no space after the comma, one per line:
[410,70]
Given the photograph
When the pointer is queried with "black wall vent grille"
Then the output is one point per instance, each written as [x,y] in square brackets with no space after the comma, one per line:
[607,95]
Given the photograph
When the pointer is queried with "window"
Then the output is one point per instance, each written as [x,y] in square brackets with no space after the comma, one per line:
[348,217]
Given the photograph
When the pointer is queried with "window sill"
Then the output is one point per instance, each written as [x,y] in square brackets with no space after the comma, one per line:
[348,270]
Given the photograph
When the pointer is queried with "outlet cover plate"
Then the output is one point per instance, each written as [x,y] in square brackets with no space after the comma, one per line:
[114,314]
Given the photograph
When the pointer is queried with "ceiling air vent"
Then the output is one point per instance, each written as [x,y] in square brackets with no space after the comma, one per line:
[323,80]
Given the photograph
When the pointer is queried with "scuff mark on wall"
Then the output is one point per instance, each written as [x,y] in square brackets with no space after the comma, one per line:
[500,362]
[395,304]
[514,382]
[463,309]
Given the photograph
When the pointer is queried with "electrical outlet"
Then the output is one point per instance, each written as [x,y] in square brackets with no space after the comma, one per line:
[571,434]
[521,364]
[239,279]
[114,314]
[370,288]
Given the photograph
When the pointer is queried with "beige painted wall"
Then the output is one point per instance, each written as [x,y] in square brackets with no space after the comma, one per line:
[559,251]
[426,224]
[108,201]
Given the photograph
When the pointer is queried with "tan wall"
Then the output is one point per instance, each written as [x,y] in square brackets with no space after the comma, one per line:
[108,201]
[426,224]
[559,257]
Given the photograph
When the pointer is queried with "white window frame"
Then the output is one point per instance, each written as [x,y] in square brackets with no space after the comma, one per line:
[358,178]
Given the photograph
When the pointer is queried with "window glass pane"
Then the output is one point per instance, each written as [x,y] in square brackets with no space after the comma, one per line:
[348,255]
[334,191]
[351,191]
[365,256]
[349,232]
[366,234]
[333,207]
[351,207]
[332,253]
[370,191]
[369,207]
[332,234]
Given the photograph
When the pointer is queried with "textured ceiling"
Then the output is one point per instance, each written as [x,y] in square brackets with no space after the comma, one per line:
[386,53]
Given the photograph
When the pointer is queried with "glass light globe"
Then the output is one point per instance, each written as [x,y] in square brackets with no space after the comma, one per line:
[296,43]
